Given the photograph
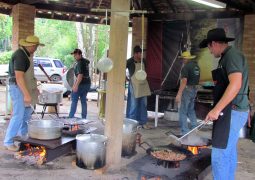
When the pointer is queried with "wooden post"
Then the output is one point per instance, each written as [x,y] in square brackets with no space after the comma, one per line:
[116,81]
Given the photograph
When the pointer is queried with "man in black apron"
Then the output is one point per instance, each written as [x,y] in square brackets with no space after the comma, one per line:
[230,111]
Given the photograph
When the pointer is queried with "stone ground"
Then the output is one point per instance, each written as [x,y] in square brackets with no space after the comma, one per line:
[64,167]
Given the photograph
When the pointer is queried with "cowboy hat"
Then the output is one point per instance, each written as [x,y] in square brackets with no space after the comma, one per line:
[187,55]
[30,41]
[217,34]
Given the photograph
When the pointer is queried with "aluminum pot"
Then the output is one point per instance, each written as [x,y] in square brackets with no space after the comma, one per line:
[50,98]
[129,133]
[45,129]
[90,151]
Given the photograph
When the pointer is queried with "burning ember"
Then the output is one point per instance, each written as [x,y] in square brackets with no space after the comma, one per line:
[32,154]
[195,149]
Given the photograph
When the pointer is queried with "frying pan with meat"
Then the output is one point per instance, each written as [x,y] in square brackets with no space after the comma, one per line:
[169,153]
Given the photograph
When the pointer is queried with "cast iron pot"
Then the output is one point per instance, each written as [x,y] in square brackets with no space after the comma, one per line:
[45,129]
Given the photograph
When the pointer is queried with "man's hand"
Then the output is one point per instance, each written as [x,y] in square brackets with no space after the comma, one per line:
[213,115]
[27,100]
[75,88]
[178,98]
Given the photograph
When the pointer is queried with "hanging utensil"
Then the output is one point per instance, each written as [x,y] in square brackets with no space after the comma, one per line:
[41,67]
[141,74]
[105,64]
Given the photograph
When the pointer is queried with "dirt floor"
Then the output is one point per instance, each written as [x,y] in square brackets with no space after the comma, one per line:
[65,167]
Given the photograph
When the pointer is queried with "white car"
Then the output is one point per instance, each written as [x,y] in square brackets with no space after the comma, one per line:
[53,67]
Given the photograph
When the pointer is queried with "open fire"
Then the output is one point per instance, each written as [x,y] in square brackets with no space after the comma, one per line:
[195,149]
[32,154]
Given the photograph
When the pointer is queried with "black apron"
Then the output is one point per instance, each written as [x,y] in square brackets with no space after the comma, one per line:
[221,127]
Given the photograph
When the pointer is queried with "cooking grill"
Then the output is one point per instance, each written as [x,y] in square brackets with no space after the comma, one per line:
[54,148]
[74,126]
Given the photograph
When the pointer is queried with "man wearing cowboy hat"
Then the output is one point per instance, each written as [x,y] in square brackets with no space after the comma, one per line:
[22,88]
[230,111]
[190,75]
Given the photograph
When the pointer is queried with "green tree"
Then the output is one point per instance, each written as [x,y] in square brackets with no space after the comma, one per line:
[5,32]
[59,38]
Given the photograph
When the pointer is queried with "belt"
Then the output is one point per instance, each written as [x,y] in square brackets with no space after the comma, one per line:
[12,80]
[192,86]
[12,83]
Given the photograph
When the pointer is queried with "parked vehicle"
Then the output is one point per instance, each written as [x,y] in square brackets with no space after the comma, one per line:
[4,68]
[53,67]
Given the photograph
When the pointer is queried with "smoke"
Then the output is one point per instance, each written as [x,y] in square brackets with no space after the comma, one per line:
[194,140]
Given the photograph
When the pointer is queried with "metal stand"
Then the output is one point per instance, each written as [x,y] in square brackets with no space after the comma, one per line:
[49,104]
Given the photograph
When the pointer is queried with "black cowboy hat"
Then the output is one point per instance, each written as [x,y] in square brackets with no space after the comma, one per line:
[217,34]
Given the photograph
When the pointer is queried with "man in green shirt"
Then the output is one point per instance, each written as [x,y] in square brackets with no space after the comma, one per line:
[230,111]
[22,89]
[81,85]
[190,75]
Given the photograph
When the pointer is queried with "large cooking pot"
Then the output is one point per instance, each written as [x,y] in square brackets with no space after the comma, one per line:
[129,133]
[50,98]
[91,151]
[45,129]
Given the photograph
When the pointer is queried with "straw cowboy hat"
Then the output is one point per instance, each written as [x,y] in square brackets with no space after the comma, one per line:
[217,34]
[187,55]
[30,41]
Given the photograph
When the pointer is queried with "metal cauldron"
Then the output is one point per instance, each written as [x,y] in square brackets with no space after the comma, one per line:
[50,98]
[91,151]
[129,133]
[45,129]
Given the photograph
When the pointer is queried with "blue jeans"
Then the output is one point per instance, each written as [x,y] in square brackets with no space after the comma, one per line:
[224,161]
[187,110]
[82,92]
[136,107]
[20,116]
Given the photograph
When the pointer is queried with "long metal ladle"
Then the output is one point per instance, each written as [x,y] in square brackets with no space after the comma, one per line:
[37,115]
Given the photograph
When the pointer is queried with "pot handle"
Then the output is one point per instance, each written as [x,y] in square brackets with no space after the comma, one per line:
[37,115]
[144,148]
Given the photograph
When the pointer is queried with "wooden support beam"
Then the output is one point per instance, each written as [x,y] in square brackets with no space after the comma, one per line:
[153,7]
[238,5]
[194,16]
[171,5]
[116,82]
